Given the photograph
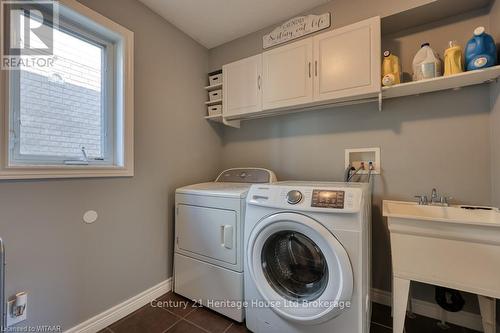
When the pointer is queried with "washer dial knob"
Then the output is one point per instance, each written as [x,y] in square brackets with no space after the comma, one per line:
[294,197]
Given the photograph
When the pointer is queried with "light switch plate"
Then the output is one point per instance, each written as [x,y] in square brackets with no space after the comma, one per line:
[11,320]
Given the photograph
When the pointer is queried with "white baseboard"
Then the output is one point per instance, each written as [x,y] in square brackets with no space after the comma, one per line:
[432,310]
[123,309]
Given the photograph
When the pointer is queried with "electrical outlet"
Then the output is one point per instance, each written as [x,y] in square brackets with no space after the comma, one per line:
[13,320]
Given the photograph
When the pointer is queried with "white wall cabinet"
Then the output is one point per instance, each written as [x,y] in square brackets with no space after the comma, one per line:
[287,75]
[341,65]
[242,89]
[347,62]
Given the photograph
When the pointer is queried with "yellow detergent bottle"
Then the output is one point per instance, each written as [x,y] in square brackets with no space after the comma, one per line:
[391,69]
[453,59]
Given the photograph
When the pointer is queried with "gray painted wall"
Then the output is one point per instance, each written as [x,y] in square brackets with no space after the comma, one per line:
[425,143]
[436,140]
[73,271]
[495,114]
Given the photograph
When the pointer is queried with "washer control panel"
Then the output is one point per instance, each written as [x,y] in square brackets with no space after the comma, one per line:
[320,197]
[328,199]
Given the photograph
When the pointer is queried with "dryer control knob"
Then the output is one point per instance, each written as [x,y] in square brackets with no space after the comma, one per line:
[294,197]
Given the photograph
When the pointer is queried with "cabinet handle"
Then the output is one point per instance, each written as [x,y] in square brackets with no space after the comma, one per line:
[316,68]
[259,82]
[310,70]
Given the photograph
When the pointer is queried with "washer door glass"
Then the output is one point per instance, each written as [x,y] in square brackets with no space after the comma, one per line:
[294,266]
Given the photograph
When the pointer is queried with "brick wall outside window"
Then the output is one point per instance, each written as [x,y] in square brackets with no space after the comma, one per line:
[61,107]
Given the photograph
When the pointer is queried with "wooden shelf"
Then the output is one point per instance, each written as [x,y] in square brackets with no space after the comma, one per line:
[214,87]
[217,101]
[442,83]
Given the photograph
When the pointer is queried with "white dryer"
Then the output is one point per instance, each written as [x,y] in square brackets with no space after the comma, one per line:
[307,264]
[208,254]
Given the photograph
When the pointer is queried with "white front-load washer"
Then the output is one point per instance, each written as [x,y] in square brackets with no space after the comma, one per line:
[307,260]
[208,252]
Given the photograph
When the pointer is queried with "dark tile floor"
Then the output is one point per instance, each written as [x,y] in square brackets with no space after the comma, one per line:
[179,315]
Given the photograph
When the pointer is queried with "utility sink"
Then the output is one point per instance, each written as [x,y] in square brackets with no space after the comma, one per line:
[456,247]
[473,215]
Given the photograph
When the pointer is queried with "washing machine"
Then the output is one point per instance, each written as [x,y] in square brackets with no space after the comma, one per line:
[208,251]
[307,260]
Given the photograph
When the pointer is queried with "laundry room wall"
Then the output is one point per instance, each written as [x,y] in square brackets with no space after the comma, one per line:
[436,140]
[74,271]
[495,113]
[343,12]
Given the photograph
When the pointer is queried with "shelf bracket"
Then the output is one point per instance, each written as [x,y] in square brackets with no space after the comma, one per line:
[380,101]
[232,123]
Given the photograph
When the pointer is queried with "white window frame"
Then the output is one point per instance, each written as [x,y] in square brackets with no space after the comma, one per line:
[120,105]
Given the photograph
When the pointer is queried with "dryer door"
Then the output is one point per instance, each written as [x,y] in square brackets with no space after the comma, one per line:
[207,233]
[300,269]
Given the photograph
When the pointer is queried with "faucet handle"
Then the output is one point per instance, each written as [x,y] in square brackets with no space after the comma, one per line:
[422,199]
[444,200]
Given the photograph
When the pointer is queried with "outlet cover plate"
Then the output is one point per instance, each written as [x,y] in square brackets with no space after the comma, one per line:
[11,320]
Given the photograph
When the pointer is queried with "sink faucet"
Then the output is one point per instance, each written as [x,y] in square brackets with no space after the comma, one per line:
[422,200]
[435,200]
[434,197]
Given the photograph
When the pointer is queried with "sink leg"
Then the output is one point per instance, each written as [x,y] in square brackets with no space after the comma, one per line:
[400,302]
[487,305]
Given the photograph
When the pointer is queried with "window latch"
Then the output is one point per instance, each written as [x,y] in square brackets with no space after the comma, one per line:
[83,161]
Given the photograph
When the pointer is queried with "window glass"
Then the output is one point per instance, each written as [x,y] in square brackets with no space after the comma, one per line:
[61,107]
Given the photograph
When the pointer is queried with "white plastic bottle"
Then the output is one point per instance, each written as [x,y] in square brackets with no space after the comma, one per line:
[426,64]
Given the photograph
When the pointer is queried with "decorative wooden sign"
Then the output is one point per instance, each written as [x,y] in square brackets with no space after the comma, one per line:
[295,28]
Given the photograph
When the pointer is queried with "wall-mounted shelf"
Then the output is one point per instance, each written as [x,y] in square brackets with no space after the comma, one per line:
[442,83]
[215,78]
[217,101]
[217,118]
[213,87]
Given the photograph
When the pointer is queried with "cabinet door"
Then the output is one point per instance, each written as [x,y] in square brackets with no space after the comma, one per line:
[242,82]
[347,62]
[287,75]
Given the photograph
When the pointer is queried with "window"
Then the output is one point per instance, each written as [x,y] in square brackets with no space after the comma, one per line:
[61,113]
[75,112]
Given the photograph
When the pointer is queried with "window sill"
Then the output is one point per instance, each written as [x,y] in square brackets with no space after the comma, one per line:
[42,172]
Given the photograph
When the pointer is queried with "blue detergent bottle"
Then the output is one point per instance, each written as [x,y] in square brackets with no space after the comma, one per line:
[481,51]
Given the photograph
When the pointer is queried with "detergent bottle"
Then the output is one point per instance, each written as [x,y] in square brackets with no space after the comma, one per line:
[391,69]
[453,63]
[481,51]
[426,64]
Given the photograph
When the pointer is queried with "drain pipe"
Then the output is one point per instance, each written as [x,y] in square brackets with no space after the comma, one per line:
[3,317]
